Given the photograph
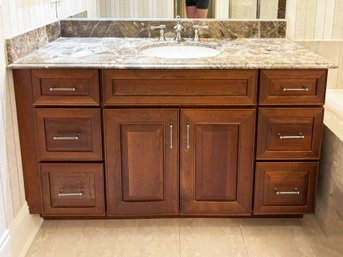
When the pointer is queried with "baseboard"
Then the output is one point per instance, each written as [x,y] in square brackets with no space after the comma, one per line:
[5,245]
[22,231]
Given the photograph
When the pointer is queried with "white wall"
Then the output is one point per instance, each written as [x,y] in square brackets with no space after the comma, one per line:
[16,17]
[315,19]
[318,25]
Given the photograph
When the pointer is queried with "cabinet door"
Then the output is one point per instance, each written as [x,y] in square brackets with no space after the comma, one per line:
[217,148]
[141,152]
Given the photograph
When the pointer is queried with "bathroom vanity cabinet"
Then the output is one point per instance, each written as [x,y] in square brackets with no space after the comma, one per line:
[143,143]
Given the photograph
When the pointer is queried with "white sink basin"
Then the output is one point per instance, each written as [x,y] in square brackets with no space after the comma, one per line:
[180,51]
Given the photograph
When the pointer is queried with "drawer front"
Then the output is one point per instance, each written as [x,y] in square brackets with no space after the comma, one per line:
[65,87]
[289,133]
[72,189]
[69,134]
[192,87]
[285,187]
[284,87]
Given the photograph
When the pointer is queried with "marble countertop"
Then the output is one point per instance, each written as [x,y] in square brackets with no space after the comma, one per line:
[125,53]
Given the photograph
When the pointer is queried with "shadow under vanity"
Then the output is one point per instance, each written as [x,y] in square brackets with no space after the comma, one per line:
[108,132]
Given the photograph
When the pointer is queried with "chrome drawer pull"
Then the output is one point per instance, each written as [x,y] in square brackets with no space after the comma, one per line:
[171,135]
[188,131]
[58,137]
[302,89]
[61,89]
[295,192]
[61,194]
[299,136]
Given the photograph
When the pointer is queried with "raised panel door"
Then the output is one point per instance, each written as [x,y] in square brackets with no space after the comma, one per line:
[141,152]
[217,149]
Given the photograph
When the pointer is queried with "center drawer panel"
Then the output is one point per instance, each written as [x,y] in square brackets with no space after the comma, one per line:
[292,87]
[69,134]
[73,189]
[285,187]
[289,133]
[192,87]
[65,87]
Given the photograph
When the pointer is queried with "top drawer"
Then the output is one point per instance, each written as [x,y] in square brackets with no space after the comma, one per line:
[184,87]
[65,87]
[290,87]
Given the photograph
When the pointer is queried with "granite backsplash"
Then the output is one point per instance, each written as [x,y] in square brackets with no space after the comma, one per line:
[28,42]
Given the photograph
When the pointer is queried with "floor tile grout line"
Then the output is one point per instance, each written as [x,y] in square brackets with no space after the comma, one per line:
[245,245]
[178,222]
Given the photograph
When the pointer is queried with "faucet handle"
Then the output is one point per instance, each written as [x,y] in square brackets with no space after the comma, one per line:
[200,26]
[196,31]
[161,27]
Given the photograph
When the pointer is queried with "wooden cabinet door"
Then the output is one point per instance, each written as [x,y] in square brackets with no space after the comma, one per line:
[141,152]
[217,149]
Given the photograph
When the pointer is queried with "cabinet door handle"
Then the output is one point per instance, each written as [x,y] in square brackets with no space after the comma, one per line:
[62,194]
[58,137]
[61,89]
[188,132]
[171,135]
[295,192]
[299,89]
[299,136]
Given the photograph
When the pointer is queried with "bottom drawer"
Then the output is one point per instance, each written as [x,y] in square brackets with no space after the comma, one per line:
[72,189]
[285,187]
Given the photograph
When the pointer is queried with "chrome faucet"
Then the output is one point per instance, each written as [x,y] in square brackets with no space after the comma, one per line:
[196,32]
[178,29]
[161,27]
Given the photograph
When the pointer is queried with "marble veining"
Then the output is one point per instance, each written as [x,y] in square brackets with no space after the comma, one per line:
[79,26]
[26,43]
[141,28]
[125,53]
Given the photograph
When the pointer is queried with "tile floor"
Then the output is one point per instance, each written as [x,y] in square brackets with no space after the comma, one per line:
[183,238]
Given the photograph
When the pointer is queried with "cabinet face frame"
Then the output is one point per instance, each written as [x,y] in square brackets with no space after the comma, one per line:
[151,130]
[25,99]
[240,124]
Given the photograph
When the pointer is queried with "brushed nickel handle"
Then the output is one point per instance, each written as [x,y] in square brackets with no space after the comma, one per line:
[295,192]
[62,194]
[188,132]
[299,136]
[58,137]
[61,89]
[200,27]
[301,89]
[171,135]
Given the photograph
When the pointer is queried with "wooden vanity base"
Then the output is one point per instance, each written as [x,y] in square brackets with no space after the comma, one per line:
[170,143]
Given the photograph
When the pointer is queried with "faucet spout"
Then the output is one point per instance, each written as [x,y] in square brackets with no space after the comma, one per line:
[178,29]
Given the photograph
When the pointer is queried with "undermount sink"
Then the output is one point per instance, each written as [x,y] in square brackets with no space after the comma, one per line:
[180,51]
